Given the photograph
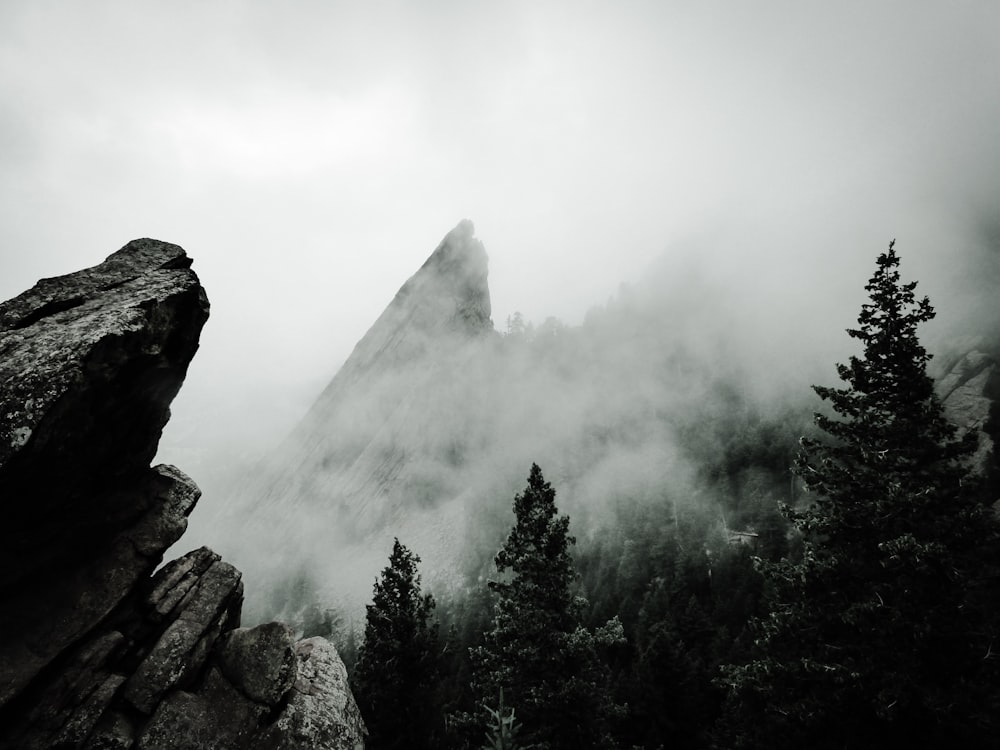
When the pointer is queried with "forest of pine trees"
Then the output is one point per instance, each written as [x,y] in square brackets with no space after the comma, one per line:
[862,613]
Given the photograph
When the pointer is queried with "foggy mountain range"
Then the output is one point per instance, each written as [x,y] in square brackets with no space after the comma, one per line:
[683,200]
[428,429]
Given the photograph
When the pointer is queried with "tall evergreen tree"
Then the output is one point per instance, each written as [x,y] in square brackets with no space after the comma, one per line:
[881,634]
[546,663]
[397,668]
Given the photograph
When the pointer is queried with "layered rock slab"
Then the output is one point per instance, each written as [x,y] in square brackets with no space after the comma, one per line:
[95,651]
[42,618]
[89,363]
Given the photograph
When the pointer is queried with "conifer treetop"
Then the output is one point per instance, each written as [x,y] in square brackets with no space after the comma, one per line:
[892,426]
[879,629]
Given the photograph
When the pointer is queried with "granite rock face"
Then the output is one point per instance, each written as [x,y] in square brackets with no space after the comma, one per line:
[310,715]
[95,650]
[89,364]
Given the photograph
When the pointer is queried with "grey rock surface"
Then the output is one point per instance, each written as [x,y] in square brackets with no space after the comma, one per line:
[216,717]
[89,363]
[966,393]
[41,621]
[96,651]
[320,708]
[209,608]
[260,661]
[114,731]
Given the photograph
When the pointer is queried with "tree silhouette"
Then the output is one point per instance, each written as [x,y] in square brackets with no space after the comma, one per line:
[537,652]
[880,635]
[397,666]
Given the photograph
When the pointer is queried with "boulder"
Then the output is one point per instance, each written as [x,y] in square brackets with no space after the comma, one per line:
[260,661]
[320,707]
[69,707]
[38,622]
[216,717]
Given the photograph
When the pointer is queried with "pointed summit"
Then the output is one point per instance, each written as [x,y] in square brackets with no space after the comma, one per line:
[450,289]
[347,456]
[446,301]
[459,268]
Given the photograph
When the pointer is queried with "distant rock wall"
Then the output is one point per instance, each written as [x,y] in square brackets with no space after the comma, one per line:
[970,391]
[348,472]
[95,650]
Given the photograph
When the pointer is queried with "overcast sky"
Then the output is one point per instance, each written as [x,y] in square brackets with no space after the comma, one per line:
[310,155]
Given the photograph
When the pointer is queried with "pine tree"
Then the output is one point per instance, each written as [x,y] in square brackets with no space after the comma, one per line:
[397,669]
[537,652]
[880,635]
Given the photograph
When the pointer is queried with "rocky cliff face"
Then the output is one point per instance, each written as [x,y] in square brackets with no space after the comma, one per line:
[95,650]
[970,391]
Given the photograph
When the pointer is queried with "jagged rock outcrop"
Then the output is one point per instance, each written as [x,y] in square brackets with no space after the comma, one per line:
[95,650]
[89,363]
[423,334]
[310,715]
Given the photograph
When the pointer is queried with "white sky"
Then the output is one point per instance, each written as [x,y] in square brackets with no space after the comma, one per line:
[310,155]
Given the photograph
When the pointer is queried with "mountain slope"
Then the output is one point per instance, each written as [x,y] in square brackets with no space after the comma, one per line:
[429,428]
[363,459]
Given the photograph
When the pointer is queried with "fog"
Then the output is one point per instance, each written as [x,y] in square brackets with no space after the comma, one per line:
[741,164]
[671,396]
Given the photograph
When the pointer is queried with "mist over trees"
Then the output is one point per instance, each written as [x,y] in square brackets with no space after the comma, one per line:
[672,449]
[537,652]
[635,394]
[725,607]
[397,668]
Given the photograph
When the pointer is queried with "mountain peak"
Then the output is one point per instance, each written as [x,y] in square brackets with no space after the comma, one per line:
[451,285]
[448,296]
[346,453]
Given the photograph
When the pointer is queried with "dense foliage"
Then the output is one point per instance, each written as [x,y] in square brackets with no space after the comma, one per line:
[396,668]
[880,634]
[537,651]
[730,607]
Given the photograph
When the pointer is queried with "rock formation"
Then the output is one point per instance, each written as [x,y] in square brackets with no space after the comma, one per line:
[95,650]
[353,463]
[428,331]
